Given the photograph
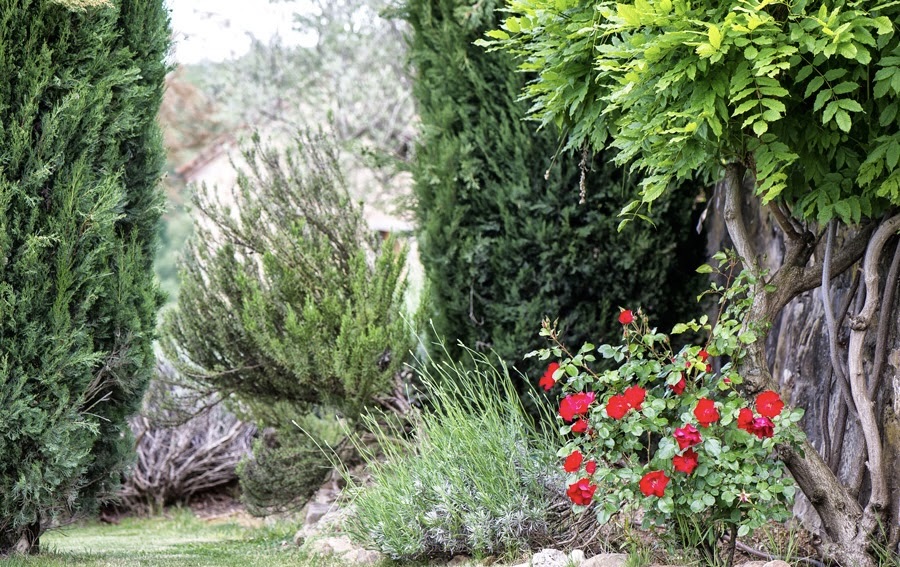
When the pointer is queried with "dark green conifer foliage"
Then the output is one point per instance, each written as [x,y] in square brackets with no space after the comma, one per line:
[503,246]
[80,160]
[288,308]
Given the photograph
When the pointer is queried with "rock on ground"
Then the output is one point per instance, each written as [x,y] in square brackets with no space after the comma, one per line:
[549,558]
[606,560]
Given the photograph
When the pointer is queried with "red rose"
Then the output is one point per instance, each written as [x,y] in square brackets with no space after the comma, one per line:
[635,396]
[709,368]
[626,316]
[706,412]
[678,387]
[617,407]
[745,419]
[762,427]
[575,404]
[769,404]
[703,355]
[654,483]
[573,461]
[580,426]
[687,436]
[685,463]
[582,492]
[591,467]
[546,382]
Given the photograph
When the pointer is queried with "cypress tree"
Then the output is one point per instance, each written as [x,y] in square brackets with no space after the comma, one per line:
[80,160]
[504,246]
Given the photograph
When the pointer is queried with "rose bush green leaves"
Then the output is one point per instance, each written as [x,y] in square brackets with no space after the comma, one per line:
[663,431]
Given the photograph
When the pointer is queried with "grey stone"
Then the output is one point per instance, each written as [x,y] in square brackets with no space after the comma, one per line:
[576,557]
[368,557]
[315,511]
[549,558]
[458,560]
[339,545]
[606,560]
[777,563]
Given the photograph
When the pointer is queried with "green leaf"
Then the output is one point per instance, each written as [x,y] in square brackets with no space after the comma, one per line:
[892,155]
[845,87]
[745,106]
[822,98]
[747,337]
[715,37]
[705,269]
[666,505]
[744,529]
[760,127]
[498,34]
[814,85]
[883,25]
[629,14]
[843,120]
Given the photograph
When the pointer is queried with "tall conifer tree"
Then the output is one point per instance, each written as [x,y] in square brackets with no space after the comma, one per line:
[80,161]
[505,246]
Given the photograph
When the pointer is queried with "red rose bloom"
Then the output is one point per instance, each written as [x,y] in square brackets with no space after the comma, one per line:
[745,419]
[582,492]
[769,404]
[617,407]
[573,461]
[626,316]
[575,404]
[709,368]
[685,463]
[580,426]
[678,387]
[687,436]
[591,467]
[654,483]
[762,427]
[706,412]
[546,382]
[635,396]
[703,355]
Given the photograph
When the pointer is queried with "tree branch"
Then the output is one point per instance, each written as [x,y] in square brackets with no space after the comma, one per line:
[831,324]
[734,217]
[887,317]
[859,326]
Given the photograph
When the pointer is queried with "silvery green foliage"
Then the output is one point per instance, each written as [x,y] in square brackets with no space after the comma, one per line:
[476,478]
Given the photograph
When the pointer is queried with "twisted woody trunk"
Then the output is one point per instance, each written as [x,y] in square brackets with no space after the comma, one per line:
[836,363]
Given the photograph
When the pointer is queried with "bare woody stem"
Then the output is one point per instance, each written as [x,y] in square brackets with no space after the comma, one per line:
[859,327]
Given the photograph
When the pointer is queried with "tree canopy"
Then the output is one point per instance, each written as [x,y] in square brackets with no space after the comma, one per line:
[804,93]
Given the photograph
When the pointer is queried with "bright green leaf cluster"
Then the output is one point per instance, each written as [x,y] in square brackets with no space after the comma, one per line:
[804,93]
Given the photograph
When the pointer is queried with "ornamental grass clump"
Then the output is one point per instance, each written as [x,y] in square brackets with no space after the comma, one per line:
[474,477]
[664,432]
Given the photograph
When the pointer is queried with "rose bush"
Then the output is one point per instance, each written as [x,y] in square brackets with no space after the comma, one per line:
[661,430]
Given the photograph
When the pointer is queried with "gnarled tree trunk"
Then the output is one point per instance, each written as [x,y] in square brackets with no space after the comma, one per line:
[839,363]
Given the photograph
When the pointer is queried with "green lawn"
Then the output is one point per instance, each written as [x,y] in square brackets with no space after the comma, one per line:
[180,539]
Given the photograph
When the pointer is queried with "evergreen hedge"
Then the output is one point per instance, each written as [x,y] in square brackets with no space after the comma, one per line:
[80,161]
[502,245]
